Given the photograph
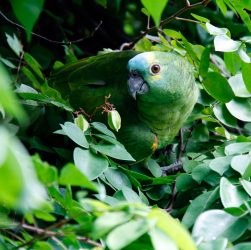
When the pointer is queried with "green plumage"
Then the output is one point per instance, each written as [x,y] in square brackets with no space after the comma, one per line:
[163,100]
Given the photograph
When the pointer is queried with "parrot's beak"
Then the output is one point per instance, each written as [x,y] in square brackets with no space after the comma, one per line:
[136,84]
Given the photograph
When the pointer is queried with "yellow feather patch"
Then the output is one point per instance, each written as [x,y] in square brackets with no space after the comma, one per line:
[155,144]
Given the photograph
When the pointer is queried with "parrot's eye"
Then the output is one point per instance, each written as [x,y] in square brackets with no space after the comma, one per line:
[155,68]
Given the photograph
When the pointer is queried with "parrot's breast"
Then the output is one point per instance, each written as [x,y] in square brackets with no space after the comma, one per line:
[165,120]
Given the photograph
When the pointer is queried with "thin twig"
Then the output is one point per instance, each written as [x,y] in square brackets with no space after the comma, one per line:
[171,203]
[41,231]
[50,40]
[12,234]
[19,65]
[186,20]
[181,145]
[164,22]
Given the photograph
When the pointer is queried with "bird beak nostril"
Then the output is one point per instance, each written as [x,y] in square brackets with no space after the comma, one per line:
[134,73]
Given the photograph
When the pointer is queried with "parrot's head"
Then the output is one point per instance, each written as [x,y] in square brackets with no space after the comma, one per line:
[159,77]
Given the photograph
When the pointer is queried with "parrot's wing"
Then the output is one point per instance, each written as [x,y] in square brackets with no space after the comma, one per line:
[105,69]
[138,139]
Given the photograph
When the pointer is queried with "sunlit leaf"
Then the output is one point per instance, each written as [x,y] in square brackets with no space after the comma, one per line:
[213,224]
[225,44]
[231,195]
[240,108]
[155,8]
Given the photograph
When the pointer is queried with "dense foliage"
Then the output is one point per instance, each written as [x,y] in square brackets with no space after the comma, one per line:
[66,181]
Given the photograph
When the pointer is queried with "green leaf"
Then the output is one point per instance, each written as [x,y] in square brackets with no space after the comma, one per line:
[47,174]
[42,245]
[215,31]
[238,148]
[231,195]
[244,15]
[201,133]
[217,86]
[154,168]
[27,12]
[223,115]
[216,223]
[200,172]
[242,164]
[130,231]
[130,195]
[7,63]
[114,151]
[155,9]
[184,182]
[232,61]
[34,65]
[220,164]
[90,164]
[240,108]
[15,44]
[200,18]
[221,4]
[45,99]
[108,138]
[108,221]
[243,54]
[246,69]
[32,79]
[204,62]
[217,244]
[172,228]
[238,86]
[161,241]
[8,100]
[117,178]
[225,44]
[24,191]
[241,246]
[173,33]
[247,186]
[71,175]
[75,134]
[198,205]
[103,129]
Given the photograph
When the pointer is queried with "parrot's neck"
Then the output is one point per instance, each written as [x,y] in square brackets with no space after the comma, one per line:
[165,120]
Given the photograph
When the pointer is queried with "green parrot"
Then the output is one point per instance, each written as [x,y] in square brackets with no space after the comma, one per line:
[154,92]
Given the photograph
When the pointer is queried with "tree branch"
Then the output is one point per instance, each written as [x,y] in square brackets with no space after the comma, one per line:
[48,233]
[164,22]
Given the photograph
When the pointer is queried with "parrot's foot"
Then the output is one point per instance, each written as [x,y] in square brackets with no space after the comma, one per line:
[173,168]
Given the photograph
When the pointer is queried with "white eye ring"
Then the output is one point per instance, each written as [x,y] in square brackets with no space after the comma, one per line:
[155,68]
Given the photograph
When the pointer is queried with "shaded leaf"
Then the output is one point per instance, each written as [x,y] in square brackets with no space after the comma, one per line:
[89,164]
[217,86]
[27,12]
[71,175]
[75,134]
